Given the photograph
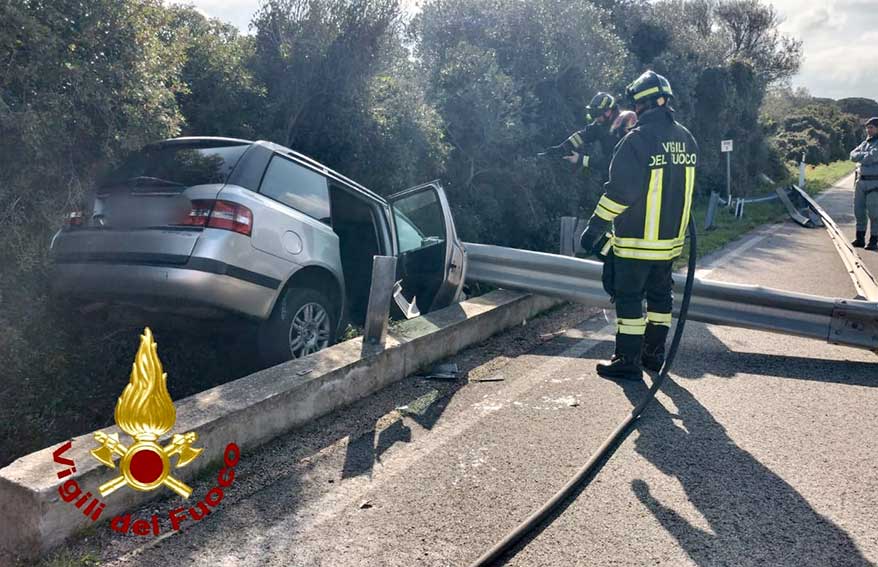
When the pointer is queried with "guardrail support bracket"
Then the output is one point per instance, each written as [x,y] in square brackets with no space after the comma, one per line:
[378,311]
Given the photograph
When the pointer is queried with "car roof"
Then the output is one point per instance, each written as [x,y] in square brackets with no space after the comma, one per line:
[190,139]
[302,158]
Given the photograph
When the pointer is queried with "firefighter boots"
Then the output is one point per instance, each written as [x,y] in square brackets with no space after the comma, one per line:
[625,364]
[653,355]
[653,359]
[620,367]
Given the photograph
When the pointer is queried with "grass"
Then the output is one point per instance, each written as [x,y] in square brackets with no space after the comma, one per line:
[820,177]
[728,229]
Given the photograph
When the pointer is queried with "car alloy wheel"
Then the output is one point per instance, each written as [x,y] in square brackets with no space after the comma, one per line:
[309,330]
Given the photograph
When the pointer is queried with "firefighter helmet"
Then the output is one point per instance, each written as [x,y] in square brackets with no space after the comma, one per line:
[601,102]
[648,86]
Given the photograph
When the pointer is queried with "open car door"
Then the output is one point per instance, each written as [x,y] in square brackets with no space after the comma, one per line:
[431,260]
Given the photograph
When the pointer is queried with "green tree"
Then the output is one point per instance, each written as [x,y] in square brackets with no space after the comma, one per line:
[220,95]
[864,108]
[509,79]
[822,129]
[752,34]
[721,58]
[340,88]
[81,83]
[316,57]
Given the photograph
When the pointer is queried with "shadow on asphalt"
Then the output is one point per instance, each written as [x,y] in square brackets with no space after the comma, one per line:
[429,399]
[727,363]
[754,516]
[363,452]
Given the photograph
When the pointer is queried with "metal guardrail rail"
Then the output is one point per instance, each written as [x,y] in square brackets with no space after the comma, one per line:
[838,321]
[795,213]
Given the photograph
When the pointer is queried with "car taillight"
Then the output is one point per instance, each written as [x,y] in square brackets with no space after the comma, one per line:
[74,219]
[199,213]
[231,216]
[224,215]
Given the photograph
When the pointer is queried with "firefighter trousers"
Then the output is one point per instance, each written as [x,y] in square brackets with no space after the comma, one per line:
[635,280]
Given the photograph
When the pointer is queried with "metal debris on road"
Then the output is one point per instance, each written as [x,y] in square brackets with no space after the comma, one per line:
[444,371]
[490,378]
[546,337]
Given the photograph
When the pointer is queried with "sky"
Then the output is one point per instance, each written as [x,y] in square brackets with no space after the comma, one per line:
[840,40]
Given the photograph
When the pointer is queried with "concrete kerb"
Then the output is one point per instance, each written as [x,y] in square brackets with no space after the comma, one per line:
[249,411]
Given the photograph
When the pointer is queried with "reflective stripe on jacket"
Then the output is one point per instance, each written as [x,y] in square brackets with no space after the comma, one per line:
[649,195]
[595,143]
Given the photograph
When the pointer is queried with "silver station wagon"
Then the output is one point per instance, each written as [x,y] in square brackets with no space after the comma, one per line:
[213,227]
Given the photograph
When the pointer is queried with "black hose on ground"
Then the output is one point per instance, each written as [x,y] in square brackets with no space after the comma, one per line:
[502,547]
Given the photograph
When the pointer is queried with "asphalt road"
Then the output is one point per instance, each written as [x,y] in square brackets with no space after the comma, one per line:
[760,451]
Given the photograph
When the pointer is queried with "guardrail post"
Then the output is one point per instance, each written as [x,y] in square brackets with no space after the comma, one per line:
[711,210]
[739,208]
[568,235]
[802,172]
[378,311]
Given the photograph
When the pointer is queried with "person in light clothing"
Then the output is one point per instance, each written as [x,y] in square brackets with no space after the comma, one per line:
[866,187]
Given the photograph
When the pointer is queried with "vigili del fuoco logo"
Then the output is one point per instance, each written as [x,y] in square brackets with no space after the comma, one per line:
[145,412]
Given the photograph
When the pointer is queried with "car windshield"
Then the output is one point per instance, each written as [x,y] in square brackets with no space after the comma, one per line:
[178,165]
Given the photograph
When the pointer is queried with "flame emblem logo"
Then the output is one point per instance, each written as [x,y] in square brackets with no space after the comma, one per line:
[145,412]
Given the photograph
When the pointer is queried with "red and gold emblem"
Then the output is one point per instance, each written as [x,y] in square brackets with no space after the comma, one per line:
[145,412]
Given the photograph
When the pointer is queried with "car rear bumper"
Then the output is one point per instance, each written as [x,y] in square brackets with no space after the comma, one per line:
[200,284]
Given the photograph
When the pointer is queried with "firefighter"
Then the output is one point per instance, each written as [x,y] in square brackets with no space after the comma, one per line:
[646,203]
[866,187]
[591,147]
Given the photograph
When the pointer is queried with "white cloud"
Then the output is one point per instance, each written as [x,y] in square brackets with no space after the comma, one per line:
[839,44]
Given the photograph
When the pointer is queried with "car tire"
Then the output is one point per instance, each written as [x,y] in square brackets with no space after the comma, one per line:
[303,322]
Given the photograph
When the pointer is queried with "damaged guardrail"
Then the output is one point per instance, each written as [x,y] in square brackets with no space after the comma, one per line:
[802,215]
[848,322]
[864,281]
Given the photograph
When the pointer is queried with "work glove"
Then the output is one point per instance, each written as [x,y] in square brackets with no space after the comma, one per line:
[604,247]
[578,160]
[560,151]
[594,237]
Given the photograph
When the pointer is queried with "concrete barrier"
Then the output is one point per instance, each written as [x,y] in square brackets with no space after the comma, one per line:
[248,411]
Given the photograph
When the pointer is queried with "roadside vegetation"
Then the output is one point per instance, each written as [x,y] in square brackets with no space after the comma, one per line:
[821,130]
[467,91]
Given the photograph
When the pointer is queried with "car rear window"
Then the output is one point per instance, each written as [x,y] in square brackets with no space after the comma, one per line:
[178,165]
[297,187]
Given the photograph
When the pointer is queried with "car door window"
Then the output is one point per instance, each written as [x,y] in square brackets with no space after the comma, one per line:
[297,187]
[419,221]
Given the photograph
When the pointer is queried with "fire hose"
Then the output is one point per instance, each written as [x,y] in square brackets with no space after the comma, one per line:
[503,547]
